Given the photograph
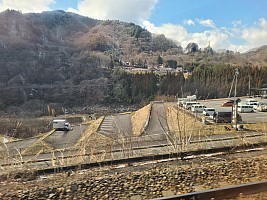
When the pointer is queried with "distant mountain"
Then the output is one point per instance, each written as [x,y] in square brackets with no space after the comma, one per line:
[58,42]
[58,56]
[258,56]
[62,57]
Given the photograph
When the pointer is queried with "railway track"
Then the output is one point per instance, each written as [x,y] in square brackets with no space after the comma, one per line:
[145,159]
[222,193]
[149,156]
[219,193]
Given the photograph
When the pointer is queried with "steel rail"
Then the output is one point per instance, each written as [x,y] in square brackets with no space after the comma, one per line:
[222,193]
[228,149]
[137,159]
[139,147]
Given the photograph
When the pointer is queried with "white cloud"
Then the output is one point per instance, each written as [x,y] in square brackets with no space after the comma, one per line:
[180,33]
[219,37]
[206,22]
[172,31]
[237,22]
[257,34]
[189,22]
[130,11]
[72,10]
[26,5]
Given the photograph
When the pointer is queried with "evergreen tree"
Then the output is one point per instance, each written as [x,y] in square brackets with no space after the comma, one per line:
[159,60]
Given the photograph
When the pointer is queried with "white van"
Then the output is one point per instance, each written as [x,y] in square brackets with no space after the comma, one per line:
[245,108]
[252,102]
[187,105]
[209,112]
[198,108]
[181,101]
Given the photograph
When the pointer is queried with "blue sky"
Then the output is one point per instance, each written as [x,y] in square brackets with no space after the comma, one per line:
[222,12]
[238,25]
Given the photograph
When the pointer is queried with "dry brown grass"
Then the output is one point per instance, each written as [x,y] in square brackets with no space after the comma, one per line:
[139,119]
[222,128]
[180,122]
[260,127]
[37,148]
[90,140]
[90,136]
[39,145]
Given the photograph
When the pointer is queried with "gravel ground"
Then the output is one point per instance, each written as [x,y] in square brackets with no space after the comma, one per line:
[139,182]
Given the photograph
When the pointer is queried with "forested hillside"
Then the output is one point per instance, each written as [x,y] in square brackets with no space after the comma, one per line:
[62,59]
[211,81]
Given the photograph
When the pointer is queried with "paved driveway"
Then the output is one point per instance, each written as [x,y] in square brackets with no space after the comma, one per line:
[65,139]
[254,117]
[157,123]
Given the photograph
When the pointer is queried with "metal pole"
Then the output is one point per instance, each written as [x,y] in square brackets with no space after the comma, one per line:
[235,84]
[236,73]
[231,87]
[249,85]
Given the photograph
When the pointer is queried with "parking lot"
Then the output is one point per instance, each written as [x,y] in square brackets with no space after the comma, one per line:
[254,117]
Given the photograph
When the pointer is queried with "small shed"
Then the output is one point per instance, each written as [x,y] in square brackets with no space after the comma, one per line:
[262,92]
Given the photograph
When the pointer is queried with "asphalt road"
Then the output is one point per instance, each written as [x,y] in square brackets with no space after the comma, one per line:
[157,123]
[58,140]
[16,147]
[65,139]
[255,117]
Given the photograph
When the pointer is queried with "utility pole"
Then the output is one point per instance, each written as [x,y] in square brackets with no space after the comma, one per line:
[231,87]
[236,73]
[234,82]
[234,114]
[249,85]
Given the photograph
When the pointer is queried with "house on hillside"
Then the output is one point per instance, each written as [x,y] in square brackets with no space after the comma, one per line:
[262,92]
[139,70]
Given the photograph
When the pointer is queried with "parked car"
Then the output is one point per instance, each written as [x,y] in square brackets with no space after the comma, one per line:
[198,108]
[227,103]
[209,112]
[245,108]
[181,101]
[187,105]
[252,102]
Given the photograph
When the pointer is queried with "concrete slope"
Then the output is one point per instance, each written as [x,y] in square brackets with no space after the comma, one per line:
[123,124]
[116,126]
[157,124]
[108,127]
